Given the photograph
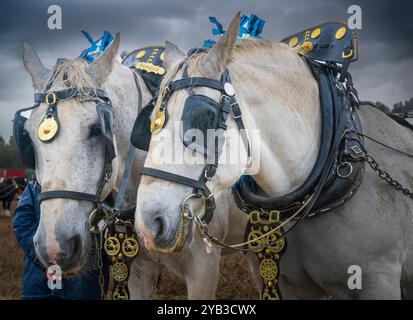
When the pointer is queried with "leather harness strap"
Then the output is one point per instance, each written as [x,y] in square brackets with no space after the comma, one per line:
[196,184]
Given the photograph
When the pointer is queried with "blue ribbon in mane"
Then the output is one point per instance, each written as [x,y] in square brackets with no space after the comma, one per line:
[249,27]
[97,47]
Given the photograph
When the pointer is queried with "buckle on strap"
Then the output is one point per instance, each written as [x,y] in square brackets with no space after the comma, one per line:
[166,90]
[236,110]
[50,98]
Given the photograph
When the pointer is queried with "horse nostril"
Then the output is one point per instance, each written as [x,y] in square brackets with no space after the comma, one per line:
[77,245]
[158,226]
[71,248]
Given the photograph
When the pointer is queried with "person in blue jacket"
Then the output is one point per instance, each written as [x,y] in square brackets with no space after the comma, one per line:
[35,282]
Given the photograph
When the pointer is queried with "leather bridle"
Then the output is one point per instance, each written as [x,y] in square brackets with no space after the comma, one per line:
[228,104]
[98,96]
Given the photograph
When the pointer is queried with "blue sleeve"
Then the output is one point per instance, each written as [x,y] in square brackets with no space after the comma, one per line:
[25,222]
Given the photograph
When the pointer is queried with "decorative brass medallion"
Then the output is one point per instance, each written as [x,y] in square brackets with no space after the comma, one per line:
[130,247]
[120,271]
[149,67]
[316,33]
[268,249]
[112,246]
[270,294]
[140,54]
[47,129]
[158,122]
[268,269]
[307,47]
[293,42]
[341,32]
[278,246]
[120,294]
[257,244]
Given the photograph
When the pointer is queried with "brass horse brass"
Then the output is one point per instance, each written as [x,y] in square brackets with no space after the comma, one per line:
[47,129]
[112,246]
[268,269]
[158,122]
[120,271]
[130,247]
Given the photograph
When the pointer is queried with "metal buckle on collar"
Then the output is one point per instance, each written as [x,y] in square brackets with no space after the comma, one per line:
[274,216]
[254,217]
[48,96]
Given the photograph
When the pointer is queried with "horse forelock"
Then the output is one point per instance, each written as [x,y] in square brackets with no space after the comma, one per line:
[71,74]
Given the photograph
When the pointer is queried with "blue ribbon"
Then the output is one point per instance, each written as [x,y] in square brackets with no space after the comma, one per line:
[249,27]
[97,47]
[219,30]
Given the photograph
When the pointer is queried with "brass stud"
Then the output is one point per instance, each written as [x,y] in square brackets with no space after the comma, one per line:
[316,33]
[140,54]
[293,42]
[341,32]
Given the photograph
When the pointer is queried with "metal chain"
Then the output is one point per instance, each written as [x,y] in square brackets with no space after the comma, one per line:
[98,244]
[384,175]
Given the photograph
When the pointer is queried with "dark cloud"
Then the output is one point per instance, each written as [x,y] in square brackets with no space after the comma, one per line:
[383,72]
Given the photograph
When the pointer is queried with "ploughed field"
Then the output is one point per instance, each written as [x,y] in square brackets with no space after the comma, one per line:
[235,280]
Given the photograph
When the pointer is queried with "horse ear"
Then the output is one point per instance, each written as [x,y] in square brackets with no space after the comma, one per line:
[34,66]
[220,54]
[102,66]
[173,55]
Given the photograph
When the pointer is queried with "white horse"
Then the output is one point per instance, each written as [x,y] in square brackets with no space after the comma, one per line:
[74,161]
[279,96]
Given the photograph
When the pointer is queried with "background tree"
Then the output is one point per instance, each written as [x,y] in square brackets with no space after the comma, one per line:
[9,156]
[401,107]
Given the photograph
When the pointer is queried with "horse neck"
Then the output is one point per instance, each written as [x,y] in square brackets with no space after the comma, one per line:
[122,89]
[279,96]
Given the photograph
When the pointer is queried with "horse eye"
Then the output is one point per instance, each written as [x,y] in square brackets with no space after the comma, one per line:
[94,130]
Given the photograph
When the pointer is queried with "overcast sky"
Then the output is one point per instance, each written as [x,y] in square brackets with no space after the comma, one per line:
[384,71]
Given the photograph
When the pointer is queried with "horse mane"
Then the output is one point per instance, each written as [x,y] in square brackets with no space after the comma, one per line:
[244,50]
